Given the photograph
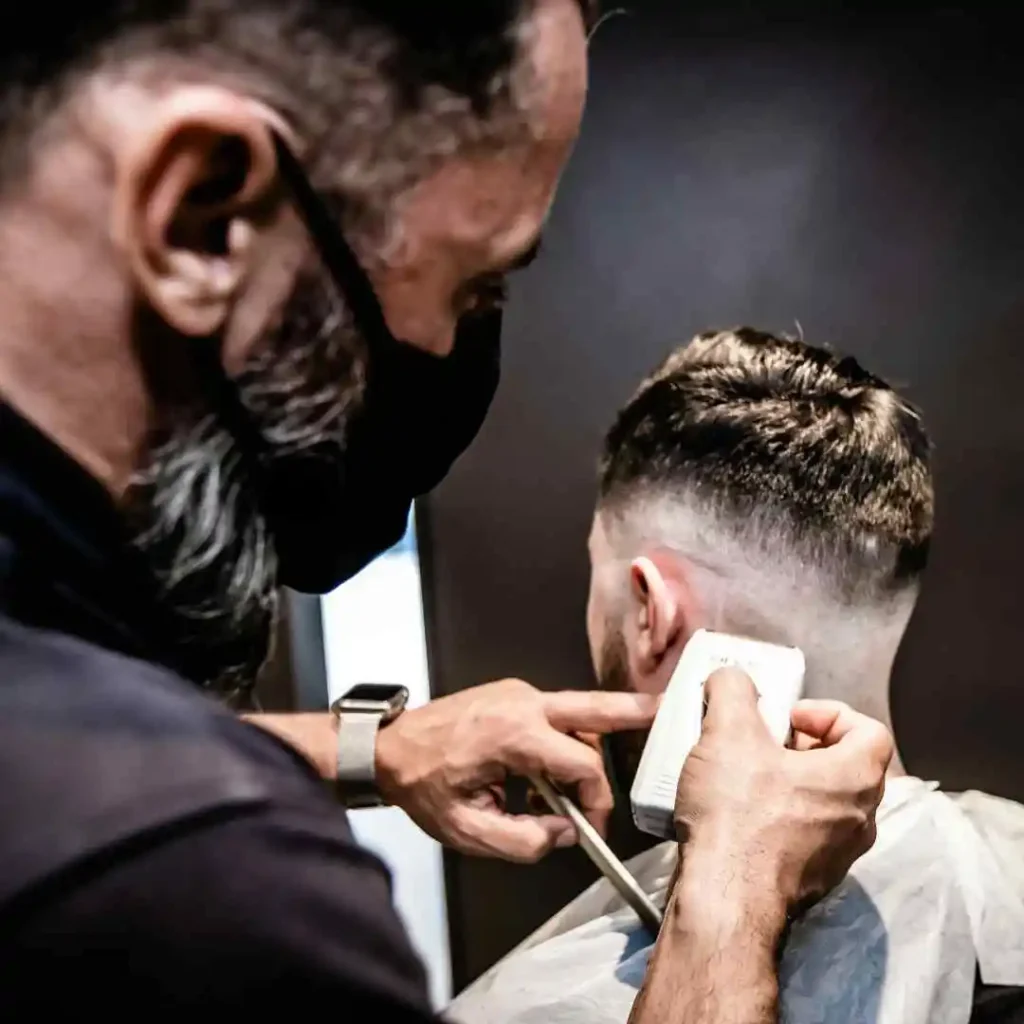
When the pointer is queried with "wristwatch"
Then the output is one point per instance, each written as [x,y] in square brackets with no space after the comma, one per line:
[361,713]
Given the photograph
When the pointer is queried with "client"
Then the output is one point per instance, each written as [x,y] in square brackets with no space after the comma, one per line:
[759,486]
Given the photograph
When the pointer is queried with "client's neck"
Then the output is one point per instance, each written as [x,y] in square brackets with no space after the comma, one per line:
[849,653]
[858,675]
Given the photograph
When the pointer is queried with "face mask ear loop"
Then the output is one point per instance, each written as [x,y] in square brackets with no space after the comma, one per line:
[349,277]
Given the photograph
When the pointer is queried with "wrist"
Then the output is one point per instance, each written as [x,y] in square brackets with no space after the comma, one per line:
[388,764]
[717,952]
[365,715]
[313,735]
[721,892]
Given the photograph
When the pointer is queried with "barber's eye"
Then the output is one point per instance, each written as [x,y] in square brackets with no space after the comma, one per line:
[486,293]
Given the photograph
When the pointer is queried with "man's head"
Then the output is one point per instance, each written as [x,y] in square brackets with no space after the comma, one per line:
[760,486]
[143,220]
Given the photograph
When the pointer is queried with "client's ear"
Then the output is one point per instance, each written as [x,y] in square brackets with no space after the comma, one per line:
[659,608]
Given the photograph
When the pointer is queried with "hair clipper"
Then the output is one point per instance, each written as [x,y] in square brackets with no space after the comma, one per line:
[778,675]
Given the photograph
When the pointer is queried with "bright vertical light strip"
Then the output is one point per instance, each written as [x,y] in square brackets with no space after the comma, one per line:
[374,633]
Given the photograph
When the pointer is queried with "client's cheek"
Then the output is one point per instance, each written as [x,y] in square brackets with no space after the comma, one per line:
[648,684]
[624,752]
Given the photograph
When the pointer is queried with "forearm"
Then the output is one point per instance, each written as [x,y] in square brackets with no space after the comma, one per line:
[311,734]
[715,959]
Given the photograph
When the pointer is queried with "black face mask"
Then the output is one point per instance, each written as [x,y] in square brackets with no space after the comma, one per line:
[332,510]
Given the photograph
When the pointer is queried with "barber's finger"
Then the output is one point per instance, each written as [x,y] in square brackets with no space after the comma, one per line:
[600,711]
[592,739]
[831,722]
[801,741]
[570,762]
[523,838]
[730,701]
[826,721]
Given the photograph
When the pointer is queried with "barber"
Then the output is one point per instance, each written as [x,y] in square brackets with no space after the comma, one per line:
[249,278]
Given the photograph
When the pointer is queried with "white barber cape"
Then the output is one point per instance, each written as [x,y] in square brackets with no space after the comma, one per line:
[939,894]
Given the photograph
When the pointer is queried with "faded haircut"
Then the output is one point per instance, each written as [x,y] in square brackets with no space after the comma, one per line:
[785,449]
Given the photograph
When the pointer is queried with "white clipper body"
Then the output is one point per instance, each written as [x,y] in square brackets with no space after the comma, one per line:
[778,674]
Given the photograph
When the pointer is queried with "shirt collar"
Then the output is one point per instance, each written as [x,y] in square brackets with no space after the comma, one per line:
[66,560]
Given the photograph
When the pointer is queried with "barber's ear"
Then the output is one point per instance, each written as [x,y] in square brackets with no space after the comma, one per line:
[190,200]
[659,613]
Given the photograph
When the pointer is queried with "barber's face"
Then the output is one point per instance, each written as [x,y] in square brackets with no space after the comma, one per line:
[300,385]
[444,250]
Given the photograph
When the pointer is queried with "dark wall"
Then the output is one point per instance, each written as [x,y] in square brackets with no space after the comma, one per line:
[857,179]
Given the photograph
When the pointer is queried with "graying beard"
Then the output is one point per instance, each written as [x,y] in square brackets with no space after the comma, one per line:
[211,551]
[303,395]
[205,535]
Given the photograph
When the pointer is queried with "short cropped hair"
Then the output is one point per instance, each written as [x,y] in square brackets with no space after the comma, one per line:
[787,441]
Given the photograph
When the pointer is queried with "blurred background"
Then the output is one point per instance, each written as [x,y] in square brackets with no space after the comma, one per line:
[852,174]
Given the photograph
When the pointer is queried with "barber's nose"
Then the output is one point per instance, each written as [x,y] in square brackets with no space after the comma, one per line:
[436,335]
[417,318]
[445,340]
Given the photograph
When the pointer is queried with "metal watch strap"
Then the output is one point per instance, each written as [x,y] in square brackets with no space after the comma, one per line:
[357,755]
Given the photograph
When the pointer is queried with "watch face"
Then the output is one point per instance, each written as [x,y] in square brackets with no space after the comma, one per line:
[385,699]
[374,693]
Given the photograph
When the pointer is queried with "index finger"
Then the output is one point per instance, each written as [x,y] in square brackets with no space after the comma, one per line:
[600,711]
[831,722]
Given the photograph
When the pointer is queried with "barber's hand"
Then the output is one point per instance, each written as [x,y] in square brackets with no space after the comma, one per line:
[445,764]
[775,820]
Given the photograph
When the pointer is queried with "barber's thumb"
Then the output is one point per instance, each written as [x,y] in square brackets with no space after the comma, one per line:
[730,702]
[529,838]
[523,838]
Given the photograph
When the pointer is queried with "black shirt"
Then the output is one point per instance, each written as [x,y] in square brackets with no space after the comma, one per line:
[156,852]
